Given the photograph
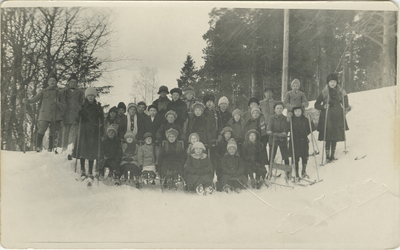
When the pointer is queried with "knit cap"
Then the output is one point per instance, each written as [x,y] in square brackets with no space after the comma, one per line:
[198,105]
[194,134]
[142,103]
[237,112]
[112,127]
[255,109]
[226,129]
[198,145]
[295,81]
[113,109]
[252,131]
[208,97]
[171,112]
[152,107]
[231,143]
[130,105]
[129,134]
[171,131]
[90,91]
[53,75]
[121,105]
[223,99]
[191,90]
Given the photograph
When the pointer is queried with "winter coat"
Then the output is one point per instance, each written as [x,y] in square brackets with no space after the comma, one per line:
[172,157]
[334,129]
[211,116]
[267,108]
[198,170]
[232,165]
[237,128]
[258,124]
[221,148]
[301,129]
[111,149]
[180,108]
[48,108]
[87,146]
[189,104]
[161,103]
[74,99]
[253,153]
[108,122]
[164,127]
[148,155]
[152,126]
[123,126]
[130,153]
[119,118]
[223,119]
[199,125]
[295,99]
[278,124]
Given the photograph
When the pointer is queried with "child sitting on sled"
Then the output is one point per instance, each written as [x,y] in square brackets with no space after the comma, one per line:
[148,157]
[130,159]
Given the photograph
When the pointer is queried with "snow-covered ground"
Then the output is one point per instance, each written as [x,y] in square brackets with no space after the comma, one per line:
[355,206]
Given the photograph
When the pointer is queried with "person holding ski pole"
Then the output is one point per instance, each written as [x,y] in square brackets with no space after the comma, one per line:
[51,111]
[295,98]
[329,102]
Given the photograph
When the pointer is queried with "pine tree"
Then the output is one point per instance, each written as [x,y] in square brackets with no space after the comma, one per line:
[189,74]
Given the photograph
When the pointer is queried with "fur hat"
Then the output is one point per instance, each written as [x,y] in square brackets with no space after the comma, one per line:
[231,143]
[198,105]
[255,109]
[142,103]
[122,105]
[176,90]
[227,129]
[130,105]
[171,131]
[152,107]
[194,134]
[112,127]
[129,134]
[208,97]
[163,88]
[279,103]
[295,81]
[190,89]
[113,109]
[252,131]
[148,134]
[198,145]
[237,112]
[294,108]
[53,75]
[171,112]
[223,99]
[73,77]
[90,91]
[253,99]
[331,77]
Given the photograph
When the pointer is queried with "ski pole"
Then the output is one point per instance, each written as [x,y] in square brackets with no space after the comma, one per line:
[312,135]
[292,137]
[77,143]
[315,157]
[54,126]
[98,153]
[23,121]
[325,125]
[344,120]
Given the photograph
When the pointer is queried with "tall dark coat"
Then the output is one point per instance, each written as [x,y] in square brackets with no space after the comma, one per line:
[111,149]
[199,125]
[172,158]
[88,144]
[123,126]
[254,157]
[198,170]
[164,127]
[212,122]
[74,99]
[223,119]
[180,108]
[301,129]
[334,129]
[161,104]
[49,109]
[152,126]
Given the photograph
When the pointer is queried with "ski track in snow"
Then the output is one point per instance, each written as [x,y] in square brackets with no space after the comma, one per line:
[355,205]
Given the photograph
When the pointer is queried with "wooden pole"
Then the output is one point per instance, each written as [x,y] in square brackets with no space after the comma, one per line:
[285,53]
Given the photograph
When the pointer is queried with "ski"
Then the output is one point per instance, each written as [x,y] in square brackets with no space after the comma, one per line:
[359,158]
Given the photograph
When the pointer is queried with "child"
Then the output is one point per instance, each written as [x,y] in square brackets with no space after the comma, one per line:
[74,98]
[148,157]
[162,102]
[267,104]
[51,111]
[193,138]
[91,114]
[232,170]
[301,129]
[121,112]
[131,123]
[237,124]
[153,121]
[198,170]
[332,95]
[171,158]
[278,128]
[223,114]
[189,99]
[211,116]
[253,103]
[221,149]
[198,124]
[171,117]
[111,154]
[178,106]
[111,119]
[295,98]
[130,159]
[253,154]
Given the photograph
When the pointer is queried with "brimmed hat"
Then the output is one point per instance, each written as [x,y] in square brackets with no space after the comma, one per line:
[73,77]
[163,88]
[295,81]
[237,112]
[255,109]
[129,134]
[253,99]
[113,109]
[176,90]
[223,99]
[112,127]
[171,112]
[198,145]
[198,105]
[142,103]
[194,134]
[148,134]
[252,131]
[171,131]
[190,89]
[331,77]
[152,107]
[231,143]
[121,105]
[130,105]
[227,129]
[90,91]
[208,97]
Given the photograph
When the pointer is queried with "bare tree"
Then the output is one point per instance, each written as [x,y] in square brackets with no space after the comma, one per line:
[145,85]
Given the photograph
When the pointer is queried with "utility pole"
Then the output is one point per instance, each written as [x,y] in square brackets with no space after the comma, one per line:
[285,53]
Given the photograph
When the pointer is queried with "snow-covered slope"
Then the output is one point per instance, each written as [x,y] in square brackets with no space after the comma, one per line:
[355,206]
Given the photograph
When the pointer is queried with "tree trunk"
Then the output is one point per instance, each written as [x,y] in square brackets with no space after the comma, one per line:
[285,53]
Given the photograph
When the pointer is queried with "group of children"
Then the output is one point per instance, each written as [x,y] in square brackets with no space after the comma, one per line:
[183,139]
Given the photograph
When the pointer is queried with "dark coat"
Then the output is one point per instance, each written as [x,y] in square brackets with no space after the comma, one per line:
[123,126]
[278,124]
[74,99]
[198,170]
[153,126]
[180,108]
[161,104]
[108,122]
[223,119]
[199,125]
[111,149]
[88,143]
[334,129]
[258,124]
[212,122]
[238,128]
[172,157]
[232,168]
[130,153]
[295,99]
[48,108]
[164,127]
[301,129]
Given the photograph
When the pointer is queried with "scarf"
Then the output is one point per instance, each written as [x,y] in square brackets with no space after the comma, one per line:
[135,128]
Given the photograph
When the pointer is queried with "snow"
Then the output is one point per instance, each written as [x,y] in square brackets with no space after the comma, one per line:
[355,206]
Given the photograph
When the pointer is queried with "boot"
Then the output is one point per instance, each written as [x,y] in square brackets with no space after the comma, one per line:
[303,171]
[253,183]
[39,142]
[333,149]
[296,167]
[51,141]
[328,157]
